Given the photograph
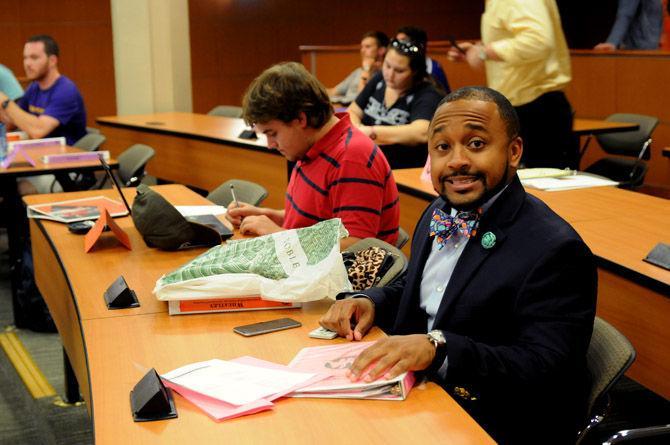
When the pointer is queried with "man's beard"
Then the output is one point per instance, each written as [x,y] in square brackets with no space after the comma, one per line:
[488,192]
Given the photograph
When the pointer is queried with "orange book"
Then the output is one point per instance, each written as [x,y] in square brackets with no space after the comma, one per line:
[234,304]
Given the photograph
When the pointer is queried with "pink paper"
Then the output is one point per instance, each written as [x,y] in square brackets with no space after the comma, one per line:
[220,410]
[335,361]
[10,158]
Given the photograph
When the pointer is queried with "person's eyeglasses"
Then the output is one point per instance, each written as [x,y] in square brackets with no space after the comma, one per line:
[406,47]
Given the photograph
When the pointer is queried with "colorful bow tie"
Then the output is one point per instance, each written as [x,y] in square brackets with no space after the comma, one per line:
[443,226]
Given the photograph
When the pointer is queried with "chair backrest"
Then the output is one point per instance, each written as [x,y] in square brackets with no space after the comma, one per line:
[629,143]
[609,355]
[403,237]
[399,259]
[245,191]
[132,163]
[226,111]
[90,142]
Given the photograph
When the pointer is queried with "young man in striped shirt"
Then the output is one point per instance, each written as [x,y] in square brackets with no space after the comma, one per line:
[339,172]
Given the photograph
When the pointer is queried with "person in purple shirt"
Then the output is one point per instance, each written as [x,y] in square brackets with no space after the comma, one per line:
[52,105]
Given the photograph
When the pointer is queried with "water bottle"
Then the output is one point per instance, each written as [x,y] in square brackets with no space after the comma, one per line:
[3,142]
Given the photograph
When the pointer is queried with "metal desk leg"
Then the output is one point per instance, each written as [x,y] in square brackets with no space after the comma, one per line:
[71,385]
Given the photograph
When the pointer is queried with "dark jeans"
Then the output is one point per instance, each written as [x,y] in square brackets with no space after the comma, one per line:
[546,130]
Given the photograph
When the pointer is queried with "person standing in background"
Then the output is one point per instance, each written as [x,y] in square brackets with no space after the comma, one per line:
[638,25]
[527,59]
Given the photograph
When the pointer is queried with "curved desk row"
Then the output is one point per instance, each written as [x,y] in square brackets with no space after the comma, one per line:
[199,150]
[620,227]
[110,350]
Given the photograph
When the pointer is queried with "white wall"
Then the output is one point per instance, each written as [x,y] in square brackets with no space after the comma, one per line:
[152,59]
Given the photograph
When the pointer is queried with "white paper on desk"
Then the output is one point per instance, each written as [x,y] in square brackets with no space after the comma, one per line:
[235,383]
[567,182]
[201,210]
[219,410]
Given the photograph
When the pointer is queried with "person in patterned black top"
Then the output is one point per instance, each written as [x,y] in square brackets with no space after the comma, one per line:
[396,105]
[340,173]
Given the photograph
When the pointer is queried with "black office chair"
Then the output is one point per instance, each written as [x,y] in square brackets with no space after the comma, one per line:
[642,436]
[399,260]
[226,111]
[132,163]
[609,355]
[90,142]
[403,237]
[245,191]
[81,181]
[629,173]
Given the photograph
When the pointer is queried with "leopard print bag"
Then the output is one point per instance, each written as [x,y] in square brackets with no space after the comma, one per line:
[366,267]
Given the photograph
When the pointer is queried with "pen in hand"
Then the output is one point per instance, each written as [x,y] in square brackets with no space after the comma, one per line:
[232,192]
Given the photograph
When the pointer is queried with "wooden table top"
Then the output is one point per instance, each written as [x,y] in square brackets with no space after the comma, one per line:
[109,259]
[596,126]
[620,226]
[121,345]
[21,167]
[188,124]
[122,349]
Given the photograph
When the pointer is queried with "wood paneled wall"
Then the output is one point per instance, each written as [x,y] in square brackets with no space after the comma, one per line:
[83,30]
[234,41]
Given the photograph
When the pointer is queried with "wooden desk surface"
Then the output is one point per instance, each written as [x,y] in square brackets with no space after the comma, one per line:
[108,258]
[596,126]
[188,124]
[111,351]
[200,150]
[134,344]
[21,167]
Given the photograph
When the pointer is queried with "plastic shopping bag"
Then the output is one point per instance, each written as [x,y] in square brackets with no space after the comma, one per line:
[296,265]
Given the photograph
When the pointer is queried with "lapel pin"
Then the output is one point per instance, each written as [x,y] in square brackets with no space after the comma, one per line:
[488,240]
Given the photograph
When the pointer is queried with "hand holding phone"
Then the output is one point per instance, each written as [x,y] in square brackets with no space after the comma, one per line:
[265,327]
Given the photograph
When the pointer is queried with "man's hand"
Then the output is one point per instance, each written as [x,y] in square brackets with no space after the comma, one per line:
[392,356]
[3,96]
[605,47]
[455,55]
[236,213]
[339,316]
[258,225]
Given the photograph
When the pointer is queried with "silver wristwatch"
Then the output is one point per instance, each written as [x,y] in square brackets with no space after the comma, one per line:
[436,337]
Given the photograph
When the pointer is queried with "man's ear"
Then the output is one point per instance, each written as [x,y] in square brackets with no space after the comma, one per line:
[53,60]
[515,151]
[302,120]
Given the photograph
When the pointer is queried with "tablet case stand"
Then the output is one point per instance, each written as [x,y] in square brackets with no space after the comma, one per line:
[151,400]
[119,296]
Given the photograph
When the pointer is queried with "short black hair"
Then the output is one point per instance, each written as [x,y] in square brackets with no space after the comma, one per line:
[50,45]
[486,94]
[415,34]
[381,38]
[282,92]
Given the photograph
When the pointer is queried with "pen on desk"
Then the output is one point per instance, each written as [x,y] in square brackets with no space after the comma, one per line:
[232,192]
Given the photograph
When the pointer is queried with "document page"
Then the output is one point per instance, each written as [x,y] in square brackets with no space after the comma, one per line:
[235,383]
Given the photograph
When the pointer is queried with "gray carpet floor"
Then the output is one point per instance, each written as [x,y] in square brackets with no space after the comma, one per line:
[24,420]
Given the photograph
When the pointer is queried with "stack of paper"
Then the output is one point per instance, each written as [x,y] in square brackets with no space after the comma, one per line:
[227,389]
[335,361]
[577,181]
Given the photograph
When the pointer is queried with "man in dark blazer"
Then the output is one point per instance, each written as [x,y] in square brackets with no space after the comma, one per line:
[498,301]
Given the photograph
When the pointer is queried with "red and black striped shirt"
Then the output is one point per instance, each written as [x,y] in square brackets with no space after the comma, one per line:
[344,175]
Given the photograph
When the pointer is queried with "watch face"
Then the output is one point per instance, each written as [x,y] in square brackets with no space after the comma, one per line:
[437,336]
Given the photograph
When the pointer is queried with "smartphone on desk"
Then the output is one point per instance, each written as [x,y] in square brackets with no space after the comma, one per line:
[265,327]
